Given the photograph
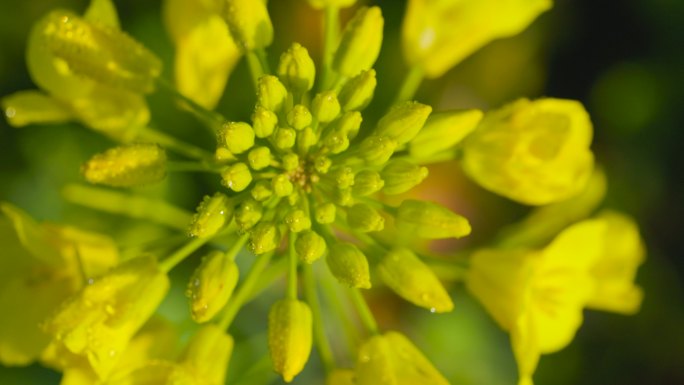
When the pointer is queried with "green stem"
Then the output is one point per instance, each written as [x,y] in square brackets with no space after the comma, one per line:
[263,60]
[174,144]
[410,85]
[213,120]
[331,28]
[364,311]
[255,68]
[174,259]
[237,246]
[244,291]
[176,166]
[330,290]
[292,274]
[320,338]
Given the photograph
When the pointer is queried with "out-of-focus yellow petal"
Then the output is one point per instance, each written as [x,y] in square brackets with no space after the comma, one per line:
[32,236]
[34,107]
[93,253]
[102,12]
[438,34]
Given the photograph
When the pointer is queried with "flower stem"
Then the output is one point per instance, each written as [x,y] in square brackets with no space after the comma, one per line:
[255,68]
[331,30]
[320,338]
[410,85]
[292,274]
[190,167]
[174,144]
[213,120]
[364,311]
[174,259]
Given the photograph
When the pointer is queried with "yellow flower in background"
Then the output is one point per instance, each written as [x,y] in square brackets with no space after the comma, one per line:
[41,265]
[439,34]
[534,152]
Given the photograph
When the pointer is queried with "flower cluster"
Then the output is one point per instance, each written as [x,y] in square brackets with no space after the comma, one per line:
[308,178]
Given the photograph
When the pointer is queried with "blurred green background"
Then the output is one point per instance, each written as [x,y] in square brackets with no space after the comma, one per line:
[623,59]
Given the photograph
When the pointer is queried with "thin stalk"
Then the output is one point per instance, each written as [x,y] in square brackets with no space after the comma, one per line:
[292,272]
[212,119]
[237,246]
[410,85]
[174,259]
[263,60]
[255,68]
[320,338]
[174,144]
[177,166]
[331,30]
[365,314]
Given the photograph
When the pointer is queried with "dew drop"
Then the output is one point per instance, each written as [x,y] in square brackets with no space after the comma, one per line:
[10,112]
[432,310]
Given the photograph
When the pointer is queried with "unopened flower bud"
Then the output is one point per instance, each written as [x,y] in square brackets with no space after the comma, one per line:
[282,186]
[261,191]
[343,196]
[325,106]
[271,93]
[349,265]
[264,121]
[358,92]
[364,218]
[376,150]
[248,213]
[127,166]
[296,69]
[284,138]
[367,182]
[412,280]
[299,117]
[306,138]
[443,131]
[211,285]
[290,161]
[212,214]
[341,130]
[322,164]
[430,220]
[264,237]
[237,137]
[259,157]
[297,221]
[236,177]
[343,176]
[404,121]
[325,213]
[310,246]
[360,42]
[401,175]
[249,23]
[208,354]
[289,337]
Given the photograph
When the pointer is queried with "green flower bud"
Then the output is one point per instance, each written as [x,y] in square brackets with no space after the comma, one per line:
[430,220]
[297,221]
[310,246]
[358,92]
[403,122]
[249,23]
[271,93]
[289,337]
[282,186]
[343,176]
[341,130]
[296,69]
[259,158]
[236,177]
[265,121]
[322,164]
[343,196]
[290,161]
[364,218]
[376,150]
[208,354]
[127,166]
[223,155]
[237,137]
[106,55]
[401,176]
[299,117]
[264,237]
[212,214]
[306,139]
[248,214]
[261,191]
[348,264]
[443,131]
[325,106]
[360,42]
[367,182]
[211,285]
[412,280]
[284,138]
[325,213]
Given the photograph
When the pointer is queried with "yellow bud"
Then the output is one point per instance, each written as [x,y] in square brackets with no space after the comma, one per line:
[430,220]
[282,186]
[322,164]
[362,217]
[320,4]
[411,279]
[299,117]
[343,196]
[34,107]
[211,286]
[337,135]
[296,69]
[127,166]
[284,138]
[265,237]
[404,121]
[290,161]
[289,337]
[259,157]
[367,182]
[534,152]
[358,92]
[297,221]
[342,176]
[325,106]
[443,131]
[306,139]
[248,214]
[237,137]
[325,213]
[391,359]
[264,122]
[310,246]
[249,23]
[401,175]
[349,265]
[261,191]
[212,214]
[208,354]
[376,150]
[360,42]
[271,93]
[236,177]
[100,52]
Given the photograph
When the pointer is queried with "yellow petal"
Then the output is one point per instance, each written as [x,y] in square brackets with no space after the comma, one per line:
[34,107]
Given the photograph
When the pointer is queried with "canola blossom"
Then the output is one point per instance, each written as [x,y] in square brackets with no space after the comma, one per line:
[316,199]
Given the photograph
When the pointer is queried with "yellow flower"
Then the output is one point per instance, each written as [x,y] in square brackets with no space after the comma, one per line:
[41,265]
[534,152]
[438,34]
